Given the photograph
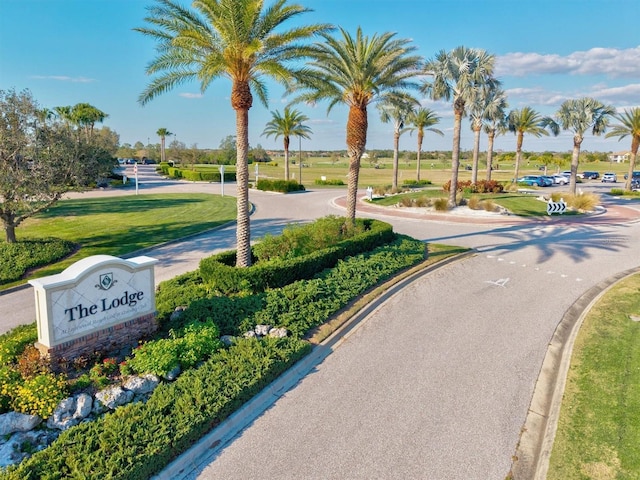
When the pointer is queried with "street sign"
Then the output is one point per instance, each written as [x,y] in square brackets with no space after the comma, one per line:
[556,207]
[135,168]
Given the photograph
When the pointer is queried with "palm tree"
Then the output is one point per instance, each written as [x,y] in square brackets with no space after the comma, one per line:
[85,116]
[490,103]
[163,133]
[521,121]
[287,125]
[456,76]
[578,116]
[235,39]
[629,126]
[397,109]
[355,72]
[423,119]
[495,124]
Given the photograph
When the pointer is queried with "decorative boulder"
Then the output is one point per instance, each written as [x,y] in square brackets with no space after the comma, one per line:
[177,313]
[278,332]
[111,398]
[262,330]
[70,411]
[18,422]
[173,374]
[227,340]
[141,385]
[250,334]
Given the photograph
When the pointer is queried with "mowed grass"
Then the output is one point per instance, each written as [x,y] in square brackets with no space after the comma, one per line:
[124,224]
[598,433]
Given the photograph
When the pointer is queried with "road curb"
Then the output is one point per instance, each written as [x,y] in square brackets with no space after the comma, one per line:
[208,447]
[533,452]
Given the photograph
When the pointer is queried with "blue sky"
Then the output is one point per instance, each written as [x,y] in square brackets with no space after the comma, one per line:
[547,51]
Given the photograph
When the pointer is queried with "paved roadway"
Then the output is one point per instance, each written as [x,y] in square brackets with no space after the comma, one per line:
[437,382]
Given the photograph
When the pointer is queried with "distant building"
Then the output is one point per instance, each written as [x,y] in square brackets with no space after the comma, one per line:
[619,157]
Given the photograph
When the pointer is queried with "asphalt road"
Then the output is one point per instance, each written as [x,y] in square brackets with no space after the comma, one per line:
[436,383]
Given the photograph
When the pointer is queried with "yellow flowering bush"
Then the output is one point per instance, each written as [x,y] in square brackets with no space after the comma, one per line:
[40,395]
[9,380]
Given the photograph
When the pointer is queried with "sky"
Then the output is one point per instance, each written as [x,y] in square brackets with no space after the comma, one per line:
[547,51]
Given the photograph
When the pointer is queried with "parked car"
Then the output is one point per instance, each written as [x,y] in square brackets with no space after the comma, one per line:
[609,177]
[535,181]
[559,179]
[635,175]
[549,178]
[635,184]
[590,175]
[566,173]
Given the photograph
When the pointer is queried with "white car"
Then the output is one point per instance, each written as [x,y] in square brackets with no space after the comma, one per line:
[609,177]
[560,179]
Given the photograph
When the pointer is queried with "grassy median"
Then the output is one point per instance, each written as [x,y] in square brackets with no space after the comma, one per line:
[599,428]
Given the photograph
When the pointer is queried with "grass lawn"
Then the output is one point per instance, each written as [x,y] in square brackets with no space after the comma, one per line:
[598,433]
[120,225]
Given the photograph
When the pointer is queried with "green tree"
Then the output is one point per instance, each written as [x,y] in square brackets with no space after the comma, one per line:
[163,133]
[629,126]
[241,40]
[397,109]
[421,120]
[578,116]
[355,72]
[85,116]
[290,124]
[40,160]
[521,121]
[457,75]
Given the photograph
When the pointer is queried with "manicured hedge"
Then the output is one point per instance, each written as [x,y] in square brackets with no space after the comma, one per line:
[283,186]
[194,175]
[219,272]
[16,258]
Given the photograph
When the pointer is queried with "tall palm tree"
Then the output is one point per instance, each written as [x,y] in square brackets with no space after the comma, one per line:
[241,40]
[163,133]
[521,121]
[579,115]
[85,116]
[489,103]
[457,75]
[629,126]
[287,125]
[397,109]
[495,124]
[421,120]
[355,72]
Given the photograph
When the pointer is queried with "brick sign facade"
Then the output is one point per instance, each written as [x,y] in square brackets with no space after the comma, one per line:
[99,303]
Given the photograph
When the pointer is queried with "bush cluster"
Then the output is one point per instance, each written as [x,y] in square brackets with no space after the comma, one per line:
[283,186]
[194,175]
[482,186]
[291,259]
[334,181]
[19,257]
[409,183]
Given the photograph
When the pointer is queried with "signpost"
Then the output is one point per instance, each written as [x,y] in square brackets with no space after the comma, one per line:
[556,207]
[135,172]
[222,180]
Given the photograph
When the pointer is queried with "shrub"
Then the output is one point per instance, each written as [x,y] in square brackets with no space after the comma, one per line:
[441,204]
[31,363]
[415,183]
[583,201]
[283,186]
[13,343]
[422,201]
[489,205]
[406,202]
[40,395]
[482,186]
[474,203]
[335,181]
[617,191]
[19,257]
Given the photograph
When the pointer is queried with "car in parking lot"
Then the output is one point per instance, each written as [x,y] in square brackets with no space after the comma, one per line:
[635,184]
[560,179]
[535,181]
[590,175]
[635,175]
[609,177]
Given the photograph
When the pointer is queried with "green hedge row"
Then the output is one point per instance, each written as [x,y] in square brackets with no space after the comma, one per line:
[23,255]
[138,440]
[193,175]
[283,186]
[218,270]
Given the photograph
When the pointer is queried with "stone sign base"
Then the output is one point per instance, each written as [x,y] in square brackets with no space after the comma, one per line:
[106,340]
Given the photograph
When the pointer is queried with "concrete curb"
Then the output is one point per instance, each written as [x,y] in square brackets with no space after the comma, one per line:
[531,459]
[207,448]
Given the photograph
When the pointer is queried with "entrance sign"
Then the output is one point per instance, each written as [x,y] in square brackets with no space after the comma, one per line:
[98,303]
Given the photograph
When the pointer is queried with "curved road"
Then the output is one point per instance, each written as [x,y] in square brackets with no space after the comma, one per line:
[436,383]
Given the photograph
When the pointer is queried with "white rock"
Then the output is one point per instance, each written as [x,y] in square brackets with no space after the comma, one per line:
[262,330]
[140,385]
[113,397]
[18,422]
[278,332]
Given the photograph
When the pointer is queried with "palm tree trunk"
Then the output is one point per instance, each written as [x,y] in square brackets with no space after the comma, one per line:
[518,156]
[357,124]
[458,110]
[490,137]
[635,143]
[476,151]
[241,101]
[396,147]
[420,137]
[286,158]
[162,156]
[577,140]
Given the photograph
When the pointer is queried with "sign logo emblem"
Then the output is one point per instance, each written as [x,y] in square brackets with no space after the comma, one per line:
[106,281]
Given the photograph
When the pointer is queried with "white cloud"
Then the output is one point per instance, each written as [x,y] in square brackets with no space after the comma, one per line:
[534,96]
[63,78]
[191,95]
[596,61]
[626,93]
